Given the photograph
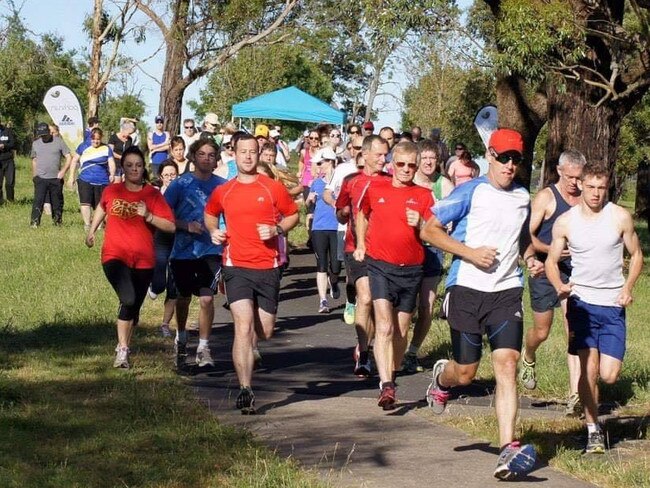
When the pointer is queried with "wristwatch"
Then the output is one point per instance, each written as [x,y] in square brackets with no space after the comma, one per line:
[279,230]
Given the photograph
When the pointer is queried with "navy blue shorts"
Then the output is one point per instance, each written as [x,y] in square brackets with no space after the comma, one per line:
[433,259]
[596,327]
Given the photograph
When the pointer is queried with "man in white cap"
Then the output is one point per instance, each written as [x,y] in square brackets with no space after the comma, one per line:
[284,154]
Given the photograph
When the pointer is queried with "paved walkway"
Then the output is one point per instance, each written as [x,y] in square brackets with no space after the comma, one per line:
[313,409]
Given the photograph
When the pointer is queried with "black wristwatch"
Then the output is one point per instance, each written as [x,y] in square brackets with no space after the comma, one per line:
[279,230]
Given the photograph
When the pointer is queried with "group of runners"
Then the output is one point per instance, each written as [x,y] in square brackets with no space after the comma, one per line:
[388,211]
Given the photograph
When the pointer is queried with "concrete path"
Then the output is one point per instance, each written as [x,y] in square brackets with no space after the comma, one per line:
[313,409]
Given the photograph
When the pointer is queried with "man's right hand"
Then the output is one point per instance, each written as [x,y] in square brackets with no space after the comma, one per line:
[483,257]
[565,290]
[218,236]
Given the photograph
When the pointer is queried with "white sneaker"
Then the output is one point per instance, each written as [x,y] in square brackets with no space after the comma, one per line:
[121,358]
[203,357]
[165,331]
[151,294]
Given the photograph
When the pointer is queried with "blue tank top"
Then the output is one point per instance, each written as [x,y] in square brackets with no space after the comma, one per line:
[159,157]
[545,231]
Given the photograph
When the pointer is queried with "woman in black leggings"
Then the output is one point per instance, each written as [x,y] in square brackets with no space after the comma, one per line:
[133,210]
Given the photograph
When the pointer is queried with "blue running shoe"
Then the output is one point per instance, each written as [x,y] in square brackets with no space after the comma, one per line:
[515,460]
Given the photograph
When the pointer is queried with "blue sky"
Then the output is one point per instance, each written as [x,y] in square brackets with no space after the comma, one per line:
[65,18]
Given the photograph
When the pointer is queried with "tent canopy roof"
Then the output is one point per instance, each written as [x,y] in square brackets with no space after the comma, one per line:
[288,103]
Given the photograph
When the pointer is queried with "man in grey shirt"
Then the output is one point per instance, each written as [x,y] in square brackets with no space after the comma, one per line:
[47,173]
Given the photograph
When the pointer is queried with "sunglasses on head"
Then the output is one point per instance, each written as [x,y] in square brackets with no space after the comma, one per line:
[507,156]
[335,135]
[401,164]
[354,131]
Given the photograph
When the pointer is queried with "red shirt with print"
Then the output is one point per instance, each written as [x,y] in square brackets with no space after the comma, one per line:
[244,206]
[128,238]
[389,238]
[352,190]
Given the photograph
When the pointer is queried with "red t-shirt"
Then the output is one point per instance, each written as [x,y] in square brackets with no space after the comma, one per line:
[128,238]
[244,205]
[389,237]
[352,190]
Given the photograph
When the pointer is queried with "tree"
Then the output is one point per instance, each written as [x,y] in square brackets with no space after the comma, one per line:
[201,35]
[591,56]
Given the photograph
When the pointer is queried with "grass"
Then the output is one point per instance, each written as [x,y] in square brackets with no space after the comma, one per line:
[67,418]
[560,441]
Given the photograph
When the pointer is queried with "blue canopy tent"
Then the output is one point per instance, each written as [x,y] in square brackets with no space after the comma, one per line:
[288,104]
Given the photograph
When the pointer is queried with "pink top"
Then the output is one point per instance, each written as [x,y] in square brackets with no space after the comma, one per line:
[307,177]
[459,173]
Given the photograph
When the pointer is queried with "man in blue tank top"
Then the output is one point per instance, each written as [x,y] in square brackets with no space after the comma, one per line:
[158,143]
[595,231]
[548,205]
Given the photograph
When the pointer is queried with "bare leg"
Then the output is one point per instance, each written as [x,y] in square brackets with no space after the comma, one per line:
[426,302]
[456,374]
[384,338]
[206,316]
[168,312]
[573,361]
[242,346]
[124,330]
[321,285]
[588,385]
[538,333]
[504,362]
[400,338]
[362,314]
[86,213]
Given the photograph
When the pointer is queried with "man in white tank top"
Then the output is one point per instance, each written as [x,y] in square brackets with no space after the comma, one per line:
[595,231]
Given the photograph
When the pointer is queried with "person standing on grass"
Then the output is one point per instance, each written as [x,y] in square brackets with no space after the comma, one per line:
[387,228]
[547,206]
[133,211]
[195,261]
[47,173]
[373,152]
[163,278]
[485,287]
[324,239]
[7,163]
[158,143]
[257,210]
[595,232]
[429,175]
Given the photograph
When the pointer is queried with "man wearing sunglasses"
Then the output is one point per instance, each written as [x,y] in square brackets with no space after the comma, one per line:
[394,260]
[189,134]
[484,287]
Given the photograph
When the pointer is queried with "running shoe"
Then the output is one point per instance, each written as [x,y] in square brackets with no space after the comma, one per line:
[257,359]
[151,294]
[410,364]
[335,291]
[527,374]
[203,357]
[121,358]
[323,307]
[515,460]
[595,443]
[180,354]
[246,401]
[348,313]
[165,331]
[387,396]
[573,406]
[362,366]
[437,397]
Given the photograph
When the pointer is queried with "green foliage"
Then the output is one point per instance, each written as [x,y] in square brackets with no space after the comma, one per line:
[634,142]
[113,108]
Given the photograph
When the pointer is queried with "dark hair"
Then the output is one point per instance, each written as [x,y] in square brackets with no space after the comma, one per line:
[135,150]
[243,137]
[200,143]
[387,128]
[354,125]
[269,146]
[407,136]
[167,162]
[177,141]
[96,130]
[465,155]
[235,137]
[599,170]
[368,141]
[93,121]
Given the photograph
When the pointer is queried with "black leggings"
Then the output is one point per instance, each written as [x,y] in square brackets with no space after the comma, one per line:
[130,284]
[325,243]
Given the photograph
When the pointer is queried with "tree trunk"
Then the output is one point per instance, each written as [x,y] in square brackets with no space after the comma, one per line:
[574,122]
[172,88]
[642,200]
[95,61]
[373,88]
[524,110]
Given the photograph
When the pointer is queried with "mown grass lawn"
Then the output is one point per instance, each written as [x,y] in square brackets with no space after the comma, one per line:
[67,418]
[561,441]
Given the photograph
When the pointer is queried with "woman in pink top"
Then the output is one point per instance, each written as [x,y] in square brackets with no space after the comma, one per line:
[463,169]
[307,173]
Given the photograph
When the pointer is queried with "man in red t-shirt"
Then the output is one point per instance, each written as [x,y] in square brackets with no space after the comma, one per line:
[387,227]
[257,210]
[373,151]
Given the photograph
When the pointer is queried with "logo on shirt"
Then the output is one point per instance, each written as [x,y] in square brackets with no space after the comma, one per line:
[124,209]
[381,200]
[260,199]
[411,201]
[66,120]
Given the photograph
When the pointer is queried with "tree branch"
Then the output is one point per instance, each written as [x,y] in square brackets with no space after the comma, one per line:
[155,18]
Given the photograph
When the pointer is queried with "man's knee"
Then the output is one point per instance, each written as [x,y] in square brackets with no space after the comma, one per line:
[206,301]
[465,374]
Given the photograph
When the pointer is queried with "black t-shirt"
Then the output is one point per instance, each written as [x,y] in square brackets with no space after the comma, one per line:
[119,146]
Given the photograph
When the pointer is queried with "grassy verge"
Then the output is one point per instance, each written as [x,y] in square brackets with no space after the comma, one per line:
[67,419]
[560,441]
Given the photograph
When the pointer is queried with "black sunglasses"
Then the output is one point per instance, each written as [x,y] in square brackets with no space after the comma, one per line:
[401,164]
[507,156]
[358,148]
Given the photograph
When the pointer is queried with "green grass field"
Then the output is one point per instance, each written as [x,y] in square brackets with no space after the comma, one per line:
[67,418]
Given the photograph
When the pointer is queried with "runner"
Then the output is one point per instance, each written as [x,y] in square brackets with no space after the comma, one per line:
[547,206]
[195,261]
[133,211]
[429,175]
[324,239]
[257,210]
[595,231]
[484,288]
[332,190]
[394,260]
[373,152]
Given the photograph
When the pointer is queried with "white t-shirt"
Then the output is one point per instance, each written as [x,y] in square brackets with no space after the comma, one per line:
[334,185]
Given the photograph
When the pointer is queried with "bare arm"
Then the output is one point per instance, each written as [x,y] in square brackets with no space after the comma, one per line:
[551,267]
[360,227]
[447,186]
[111,169]
[540,205]
[33,167]
[301,164]
[66,166]
[631,241]
[98,218]
[328,197]
[73,168]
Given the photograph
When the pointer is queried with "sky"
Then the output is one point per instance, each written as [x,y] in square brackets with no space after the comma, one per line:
[65,18]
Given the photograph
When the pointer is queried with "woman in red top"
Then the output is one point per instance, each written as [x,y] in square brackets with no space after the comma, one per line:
[133,210]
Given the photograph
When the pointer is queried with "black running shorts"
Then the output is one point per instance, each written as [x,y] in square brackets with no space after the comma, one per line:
[262,286]
[397,284]
[198,277]
[355,269]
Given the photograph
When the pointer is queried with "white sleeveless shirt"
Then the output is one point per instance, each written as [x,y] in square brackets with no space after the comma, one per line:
[596,247]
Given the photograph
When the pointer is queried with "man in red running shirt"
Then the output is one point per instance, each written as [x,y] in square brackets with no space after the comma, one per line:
[374,150]
[394,259]
[257,210]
